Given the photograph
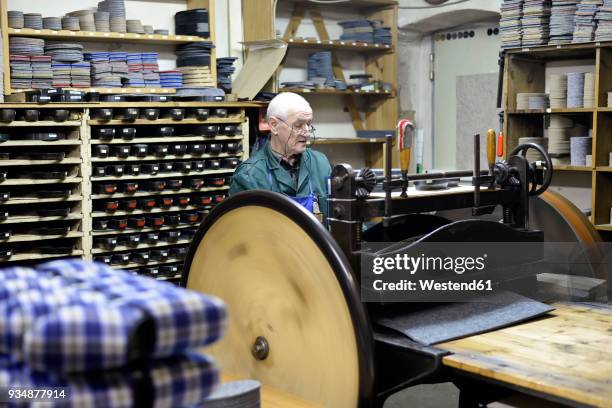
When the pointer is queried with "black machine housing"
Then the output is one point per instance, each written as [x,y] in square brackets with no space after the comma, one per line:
[401,362]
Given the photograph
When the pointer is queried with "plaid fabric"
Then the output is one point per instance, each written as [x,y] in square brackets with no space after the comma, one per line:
[183,381]
[82,337]
[87,314]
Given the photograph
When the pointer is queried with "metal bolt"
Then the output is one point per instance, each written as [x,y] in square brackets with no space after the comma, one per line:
[260,349]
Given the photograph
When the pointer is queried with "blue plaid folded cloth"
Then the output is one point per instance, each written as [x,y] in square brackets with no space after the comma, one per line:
[182,381]
[83,316]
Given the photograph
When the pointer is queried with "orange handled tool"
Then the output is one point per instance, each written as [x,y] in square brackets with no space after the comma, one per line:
[406,140]
[491,147]
[500,144]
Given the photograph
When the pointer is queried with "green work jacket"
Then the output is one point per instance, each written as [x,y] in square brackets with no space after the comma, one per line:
[253,174]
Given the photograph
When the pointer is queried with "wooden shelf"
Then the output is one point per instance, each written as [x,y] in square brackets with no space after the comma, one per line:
[160,193]
[336,92]
[209,121]
[160,244]
[561,51]
[25,181]
[40,123]
[110,37]
[549,111]
[103,214]
[338,45]
[604,169]
[8,163]
[35,256]
[137,231]
[157,159]
[20,201]
[162,175]
[27,237]
[144,91]
[28,219]
[171,104]
[171,139]
[17,143]
[572,168]
[352,140]
[355,3]
[603,227]
[137,265]
[169,278]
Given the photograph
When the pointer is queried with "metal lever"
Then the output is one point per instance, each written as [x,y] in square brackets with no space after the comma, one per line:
[476,176]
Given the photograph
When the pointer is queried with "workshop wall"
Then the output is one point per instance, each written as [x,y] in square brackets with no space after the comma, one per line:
[417,24]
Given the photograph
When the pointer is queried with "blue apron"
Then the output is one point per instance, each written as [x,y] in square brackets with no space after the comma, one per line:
[305,201]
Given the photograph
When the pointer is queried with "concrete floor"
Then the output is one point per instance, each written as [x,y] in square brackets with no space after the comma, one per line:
[425,396]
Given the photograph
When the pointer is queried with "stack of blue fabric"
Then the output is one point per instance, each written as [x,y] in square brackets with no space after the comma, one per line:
[320,66]
[382,35]
[171,79]
[108,337]
[361,30]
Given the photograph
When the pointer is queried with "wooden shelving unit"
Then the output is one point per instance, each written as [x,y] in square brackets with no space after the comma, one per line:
[111,38]
[83,200]
[525,72]
[380,60]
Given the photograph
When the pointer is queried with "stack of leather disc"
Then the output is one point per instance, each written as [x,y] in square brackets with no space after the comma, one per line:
[15,19]
[192,22]
[193,60]
[525,101]
[558,90]
[52,23]
[71,23]
[580,148]
[559,139]
[102,21]
[575,89]
[237,394]
[86,19]
[33,21]
[135,26]
[589,90]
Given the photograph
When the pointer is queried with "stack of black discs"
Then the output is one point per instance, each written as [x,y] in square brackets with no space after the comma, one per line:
[192,22]
[193,61]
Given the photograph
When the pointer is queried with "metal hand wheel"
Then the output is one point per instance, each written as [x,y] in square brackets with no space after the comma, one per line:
[548,171]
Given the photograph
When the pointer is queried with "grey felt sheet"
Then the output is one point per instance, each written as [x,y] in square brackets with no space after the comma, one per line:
[456,320]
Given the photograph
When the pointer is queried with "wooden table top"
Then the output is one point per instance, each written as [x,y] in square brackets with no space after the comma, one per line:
[566,355]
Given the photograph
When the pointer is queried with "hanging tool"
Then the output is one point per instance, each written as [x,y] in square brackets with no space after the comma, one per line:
[406,141]
[491,148]
[500,136]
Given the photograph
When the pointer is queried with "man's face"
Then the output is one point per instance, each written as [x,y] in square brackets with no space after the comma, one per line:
[293,133]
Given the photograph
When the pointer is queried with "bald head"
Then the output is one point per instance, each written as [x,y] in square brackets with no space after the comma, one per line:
[287,103]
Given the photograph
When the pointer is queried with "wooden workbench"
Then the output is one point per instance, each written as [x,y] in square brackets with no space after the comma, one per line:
[564,357]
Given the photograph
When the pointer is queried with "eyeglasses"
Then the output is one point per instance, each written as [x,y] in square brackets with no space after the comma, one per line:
[303,129]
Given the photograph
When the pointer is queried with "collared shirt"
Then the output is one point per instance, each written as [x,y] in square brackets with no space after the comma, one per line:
[257,171]
[293,169]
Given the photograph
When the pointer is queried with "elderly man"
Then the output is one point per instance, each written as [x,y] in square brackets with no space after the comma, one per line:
[285,165]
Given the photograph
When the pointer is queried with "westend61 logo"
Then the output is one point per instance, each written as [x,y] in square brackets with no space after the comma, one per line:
[411,264]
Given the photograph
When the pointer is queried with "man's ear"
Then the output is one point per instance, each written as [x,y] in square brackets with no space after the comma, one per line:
[273,123]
